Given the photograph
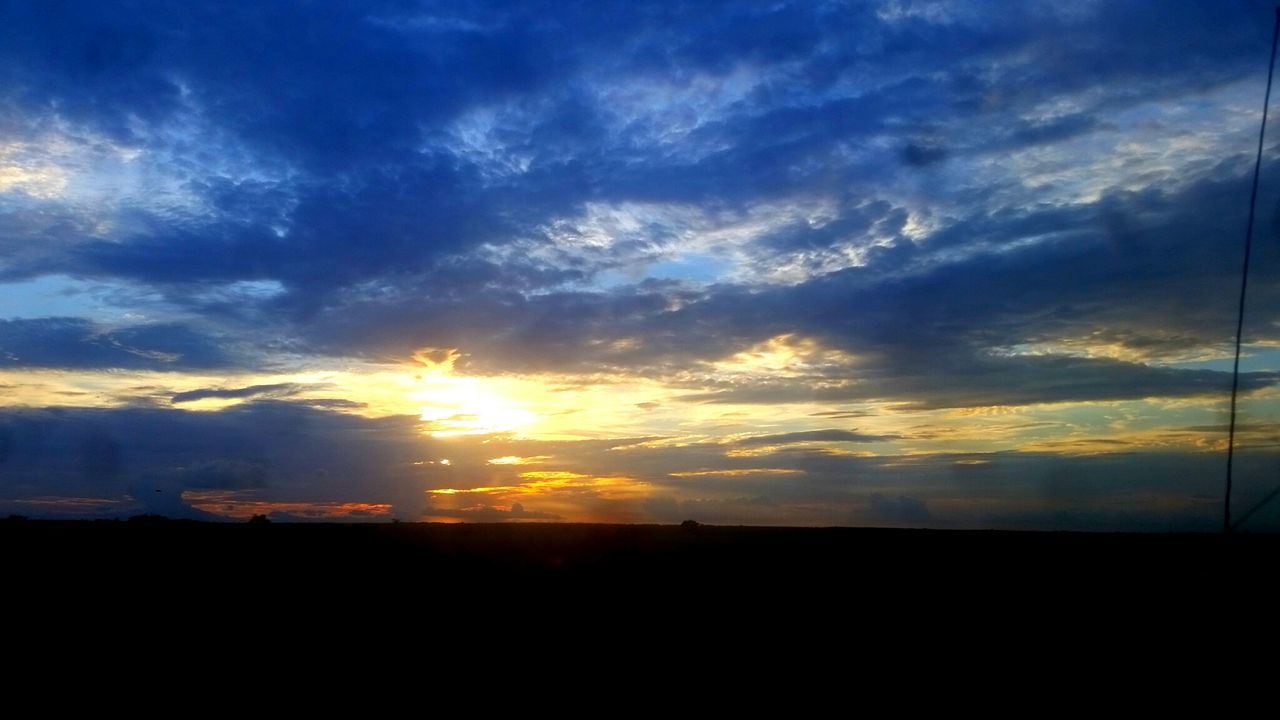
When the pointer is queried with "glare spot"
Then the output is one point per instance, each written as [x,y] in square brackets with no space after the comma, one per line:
[458,405]
[517,460]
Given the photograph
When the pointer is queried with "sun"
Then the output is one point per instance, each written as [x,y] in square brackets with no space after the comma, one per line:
[462,406]
[459,405]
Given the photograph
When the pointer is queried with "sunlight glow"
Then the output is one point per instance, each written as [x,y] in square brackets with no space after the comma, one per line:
[517,460]
[242,505]
[456,405]
[558,481]
[737,472]
[463,406]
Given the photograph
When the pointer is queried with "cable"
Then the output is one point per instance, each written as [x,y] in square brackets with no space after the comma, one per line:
[1244,280]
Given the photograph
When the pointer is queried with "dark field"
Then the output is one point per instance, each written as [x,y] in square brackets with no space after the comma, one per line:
[657,605]
[953,568]
[754,597]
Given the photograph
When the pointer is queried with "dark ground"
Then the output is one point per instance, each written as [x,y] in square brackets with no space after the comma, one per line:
[844,615]
[633,584]
[673,560]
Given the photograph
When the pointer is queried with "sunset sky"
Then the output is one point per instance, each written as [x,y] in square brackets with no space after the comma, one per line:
[891,263]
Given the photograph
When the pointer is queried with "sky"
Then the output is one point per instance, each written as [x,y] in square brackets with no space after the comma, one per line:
[884,263]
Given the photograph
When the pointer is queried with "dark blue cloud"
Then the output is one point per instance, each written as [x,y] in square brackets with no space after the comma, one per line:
[274,390]
[77,343]
[899,510]
[323,86]
[359,99]
[1133,269]
[150,456]
[807,436]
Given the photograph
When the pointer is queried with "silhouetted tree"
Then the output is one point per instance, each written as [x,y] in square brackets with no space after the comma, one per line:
[259,520]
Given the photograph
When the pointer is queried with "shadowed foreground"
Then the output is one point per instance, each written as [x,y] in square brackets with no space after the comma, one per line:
[736,590]
[672,603]
[670,561]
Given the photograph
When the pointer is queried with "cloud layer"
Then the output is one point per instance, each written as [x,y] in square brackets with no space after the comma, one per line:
[821,232]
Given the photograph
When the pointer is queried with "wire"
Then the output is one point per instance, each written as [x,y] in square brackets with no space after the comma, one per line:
[1256,507]
[1244,279]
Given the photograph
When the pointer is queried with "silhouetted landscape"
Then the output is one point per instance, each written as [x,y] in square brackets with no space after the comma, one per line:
[968,568]
[760,596]
[653,326]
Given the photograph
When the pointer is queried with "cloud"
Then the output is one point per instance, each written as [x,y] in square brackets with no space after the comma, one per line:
[152,455]
[841,414]
[900,510]
[77,343]
[863,210]
[224,475]
[923,154]
[274,390]
[1017,316]
[597,105]
[487,513]
[809,436]
[272,455]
